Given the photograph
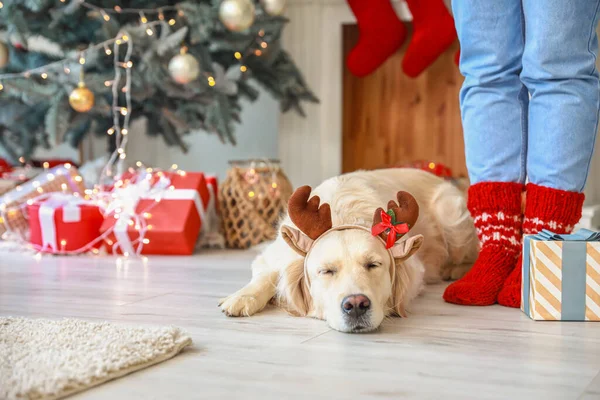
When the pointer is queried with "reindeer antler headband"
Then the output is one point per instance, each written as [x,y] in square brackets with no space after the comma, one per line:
[314,222]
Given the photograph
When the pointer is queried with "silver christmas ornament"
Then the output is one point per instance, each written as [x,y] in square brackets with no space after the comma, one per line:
[184,68]
[237,15]
[273,7]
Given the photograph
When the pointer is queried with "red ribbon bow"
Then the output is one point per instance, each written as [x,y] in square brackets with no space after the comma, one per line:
[385,224]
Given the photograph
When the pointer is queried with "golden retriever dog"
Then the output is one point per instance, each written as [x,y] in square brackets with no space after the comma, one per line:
[334,259]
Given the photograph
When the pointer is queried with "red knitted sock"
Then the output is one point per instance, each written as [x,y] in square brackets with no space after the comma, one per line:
[381,34]
[496,211]
[433,33]
[545,208]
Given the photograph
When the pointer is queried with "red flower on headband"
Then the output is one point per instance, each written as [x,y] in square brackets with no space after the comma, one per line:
[396,230]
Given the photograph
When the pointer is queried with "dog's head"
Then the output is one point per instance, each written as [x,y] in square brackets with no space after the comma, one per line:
[350,275]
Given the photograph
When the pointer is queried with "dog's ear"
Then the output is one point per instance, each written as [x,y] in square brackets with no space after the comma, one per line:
[401,251]
[399,289]
[297,240]
[406,248]
[292,290]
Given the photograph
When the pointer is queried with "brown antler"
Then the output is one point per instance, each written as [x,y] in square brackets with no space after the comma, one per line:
[406,211]
[306,214]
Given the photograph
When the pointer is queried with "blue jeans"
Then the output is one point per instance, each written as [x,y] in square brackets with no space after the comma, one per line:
[531,94]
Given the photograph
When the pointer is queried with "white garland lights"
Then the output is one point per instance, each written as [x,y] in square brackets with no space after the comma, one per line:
[143,184]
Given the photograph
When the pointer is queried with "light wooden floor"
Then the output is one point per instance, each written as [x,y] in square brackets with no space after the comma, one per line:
[441,352]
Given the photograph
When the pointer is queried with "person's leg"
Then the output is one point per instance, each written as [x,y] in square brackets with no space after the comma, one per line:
[559,69]
[494,113]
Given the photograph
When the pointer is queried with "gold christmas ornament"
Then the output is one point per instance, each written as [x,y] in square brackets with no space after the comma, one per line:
[184,68]
[273,7]
[82,98]
[3,55]
[237,15]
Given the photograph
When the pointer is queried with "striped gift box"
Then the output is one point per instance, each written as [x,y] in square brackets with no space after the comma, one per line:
[561,276]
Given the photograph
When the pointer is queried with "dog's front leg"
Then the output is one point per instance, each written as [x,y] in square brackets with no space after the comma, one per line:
[251,298]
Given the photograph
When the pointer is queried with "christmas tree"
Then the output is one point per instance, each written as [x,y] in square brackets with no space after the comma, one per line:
[75,67]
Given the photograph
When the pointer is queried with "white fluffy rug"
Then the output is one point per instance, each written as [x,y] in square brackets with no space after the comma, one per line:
[46,359]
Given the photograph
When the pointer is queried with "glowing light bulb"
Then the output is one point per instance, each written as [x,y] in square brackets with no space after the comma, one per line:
[44,75]
[174,166]
[125,38]
[251,194]
[110,131]
[107,51]
[1,86]
[107,83]
[147,215]
[50,177]
[149,32]
[63,243]
[117,9]
[120,150]
[257,53]
[68,165]
[138,164]
[81,60]
[67,70]
[129,64]
[78,178]
[46,165]
[63,187]
[238,55]
[243,68]
[171,22]
[146,241]
[123,156]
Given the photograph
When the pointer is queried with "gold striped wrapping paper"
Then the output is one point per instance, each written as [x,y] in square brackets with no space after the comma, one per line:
[561,277]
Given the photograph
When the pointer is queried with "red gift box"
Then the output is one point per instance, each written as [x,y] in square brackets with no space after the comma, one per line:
[173,223]
[64,223]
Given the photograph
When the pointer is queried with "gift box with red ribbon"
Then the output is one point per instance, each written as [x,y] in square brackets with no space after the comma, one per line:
[61,223]
[13,204]
[157,214]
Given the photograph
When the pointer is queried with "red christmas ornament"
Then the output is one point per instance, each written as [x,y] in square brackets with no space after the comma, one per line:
[438,169]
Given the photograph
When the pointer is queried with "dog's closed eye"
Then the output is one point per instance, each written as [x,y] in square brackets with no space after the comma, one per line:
[327,271]
[372,265]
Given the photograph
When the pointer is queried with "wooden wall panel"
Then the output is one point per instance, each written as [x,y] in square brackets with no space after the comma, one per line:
[390,119]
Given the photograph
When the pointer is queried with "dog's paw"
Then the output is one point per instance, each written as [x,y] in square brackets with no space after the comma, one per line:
[454,272]
[240,305]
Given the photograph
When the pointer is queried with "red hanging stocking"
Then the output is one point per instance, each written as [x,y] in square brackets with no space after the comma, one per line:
[381,33]
[433,33]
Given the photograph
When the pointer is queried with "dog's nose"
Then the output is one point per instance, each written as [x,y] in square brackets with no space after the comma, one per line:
[356,305]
